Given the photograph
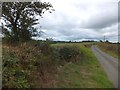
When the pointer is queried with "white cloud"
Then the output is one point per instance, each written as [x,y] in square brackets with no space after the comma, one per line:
[81,19]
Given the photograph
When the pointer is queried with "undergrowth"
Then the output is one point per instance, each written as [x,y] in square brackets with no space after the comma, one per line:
[110,48]
[34,64]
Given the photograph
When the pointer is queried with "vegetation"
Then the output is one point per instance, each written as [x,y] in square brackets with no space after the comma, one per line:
[44,64]
[84,73]
[28,65]
[69,53]
[20,18]
[110,48]
[32,64]
[40,65]
[31,60]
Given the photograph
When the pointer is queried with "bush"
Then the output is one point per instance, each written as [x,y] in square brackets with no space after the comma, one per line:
[45,48]
[27,64]
[110,47]
[69,53]
[13,74]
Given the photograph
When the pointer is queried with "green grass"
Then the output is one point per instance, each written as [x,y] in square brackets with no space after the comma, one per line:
[86,73]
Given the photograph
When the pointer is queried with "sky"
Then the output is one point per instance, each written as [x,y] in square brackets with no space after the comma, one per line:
[78,20]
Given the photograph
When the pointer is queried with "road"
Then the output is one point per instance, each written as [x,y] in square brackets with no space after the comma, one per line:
[109,64]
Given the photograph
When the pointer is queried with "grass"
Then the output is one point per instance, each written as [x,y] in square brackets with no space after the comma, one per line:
[86,73]
[109,52]
[38,65]
[109,48]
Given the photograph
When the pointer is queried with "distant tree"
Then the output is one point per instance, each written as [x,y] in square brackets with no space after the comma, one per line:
[118,42]
[20,18]
[101,41]
[49,40]
[107,41]
[69,41]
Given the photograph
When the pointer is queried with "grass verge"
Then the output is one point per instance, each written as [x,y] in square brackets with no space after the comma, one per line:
[109,48]
[39,65]
[86,73]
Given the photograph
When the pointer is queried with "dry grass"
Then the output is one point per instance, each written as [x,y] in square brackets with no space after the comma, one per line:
[110,48]
[38,65]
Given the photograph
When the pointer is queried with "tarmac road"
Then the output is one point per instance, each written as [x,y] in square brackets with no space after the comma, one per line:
[109,64]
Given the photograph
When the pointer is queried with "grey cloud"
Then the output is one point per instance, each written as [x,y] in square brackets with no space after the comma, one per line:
[82,23]
[101,20]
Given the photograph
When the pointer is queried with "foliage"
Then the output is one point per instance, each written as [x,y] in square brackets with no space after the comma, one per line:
[31,62]
[45,48]
[69,53]
[27,64]
[13,76]
[86,73]
[20,18]
[110,48]
[36,64]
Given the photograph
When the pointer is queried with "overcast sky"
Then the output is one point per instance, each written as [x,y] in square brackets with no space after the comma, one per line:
[81,20]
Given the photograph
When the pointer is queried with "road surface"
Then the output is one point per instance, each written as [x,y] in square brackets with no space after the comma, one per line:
[109,64]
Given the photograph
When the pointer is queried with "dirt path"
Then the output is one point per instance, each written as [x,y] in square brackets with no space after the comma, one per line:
[109,64]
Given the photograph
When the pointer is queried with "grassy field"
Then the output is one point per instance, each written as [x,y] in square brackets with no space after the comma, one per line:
[86,73]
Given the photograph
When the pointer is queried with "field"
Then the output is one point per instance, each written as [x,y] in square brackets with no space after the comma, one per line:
[43,65]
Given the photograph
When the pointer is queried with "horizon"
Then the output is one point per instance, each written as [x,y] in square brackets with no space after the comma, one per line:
[80,20]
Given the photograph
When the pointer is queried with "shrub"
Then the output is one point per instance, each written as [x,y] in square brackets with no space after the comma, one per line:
[45,48]
[88,45]
[69,53]
[13,74]
[27,64]
[110,47]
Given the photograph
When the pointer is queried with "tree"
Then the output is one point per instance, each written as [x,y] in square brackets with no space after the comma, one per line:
[20,18]
[107,41]
[100,41]
[49,40]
